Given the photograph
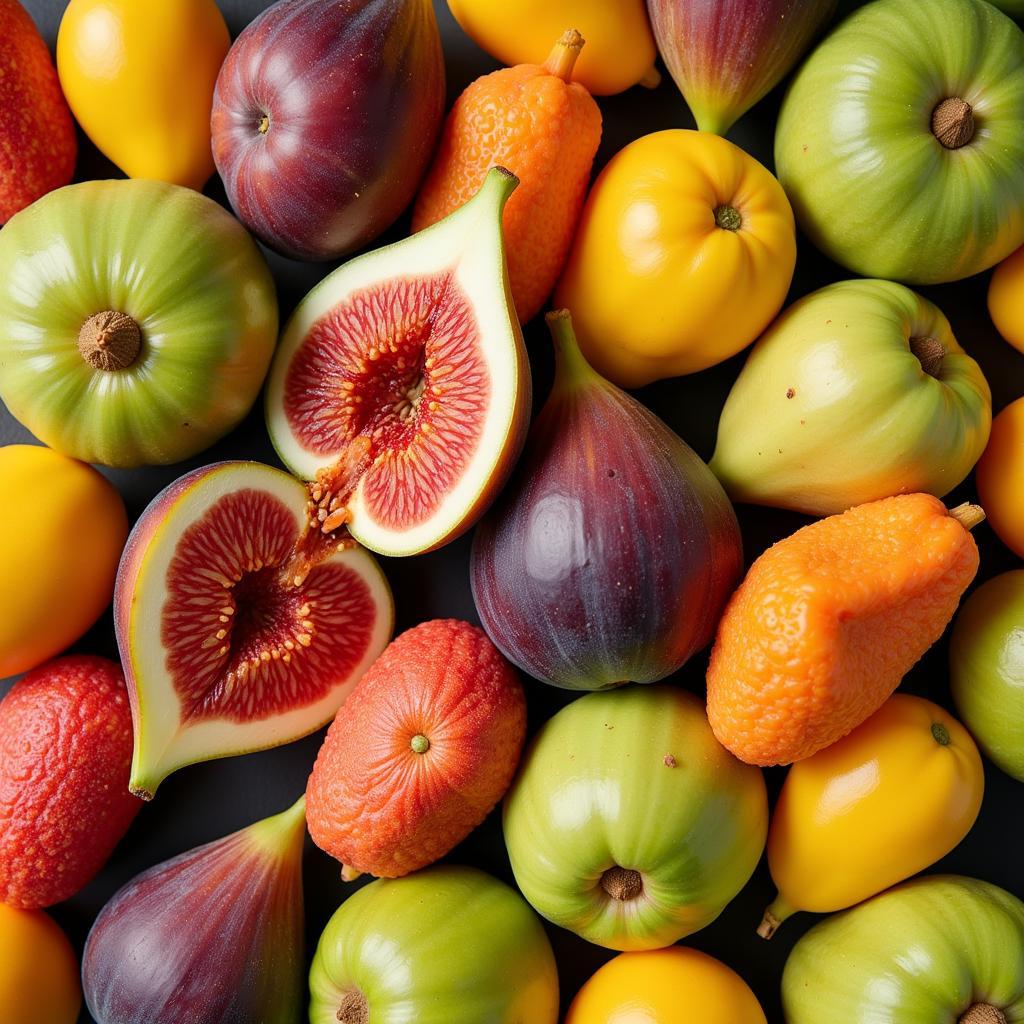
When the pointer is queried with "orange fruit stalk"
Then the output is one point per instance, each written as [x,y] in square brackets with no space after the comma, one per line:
[829,620]
[545,128]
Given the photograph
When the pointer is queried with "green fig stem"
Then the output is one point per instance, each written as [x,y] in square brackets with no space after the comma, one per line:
[562,58]
[777,912]
[983,1013]
[419,743]
[622,884]
[651,78]
[953,122]
[499,184]
[354,1008]
[281,831]
[929,352]
[110,341]
[968,515]
[570,363]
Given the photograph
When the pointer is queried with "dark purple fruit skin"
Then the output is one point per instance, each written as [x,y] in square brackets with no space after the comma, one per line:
[213,936]
[610,557]
[353,96]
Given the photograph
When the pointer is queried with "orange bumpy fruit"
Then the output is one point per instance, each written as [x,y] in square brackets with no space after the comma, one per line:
[829,620]
[38,970]
[665,986]
[545,128]
[1000,476]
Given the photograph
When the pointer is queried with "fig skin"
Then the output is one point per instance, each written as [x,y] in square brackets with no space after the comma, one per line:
[611,555]
[212,936]
[324,118]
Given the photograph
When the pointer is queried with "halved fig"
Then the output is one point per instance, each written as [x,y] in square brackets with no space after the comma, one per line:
[401,387]
[240,624]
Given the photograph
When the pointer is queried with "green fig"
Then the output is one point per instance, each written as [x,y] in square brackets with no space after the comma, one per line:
[857,392]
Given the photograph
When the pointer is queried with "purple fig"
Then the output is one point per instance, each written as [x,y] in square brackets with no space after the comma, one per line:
[213,936]
[725,55]
[611,555]
[324,118]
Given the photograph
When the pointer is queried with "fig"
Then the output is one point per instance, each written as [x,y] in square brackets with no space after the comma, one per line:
[725,55]
[212,936]
[324,118]
[610,557]
[241,625]
[401,387]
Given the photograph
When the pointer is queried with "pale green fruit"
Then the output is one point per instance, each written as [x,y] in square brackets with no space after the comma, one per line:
[857,392]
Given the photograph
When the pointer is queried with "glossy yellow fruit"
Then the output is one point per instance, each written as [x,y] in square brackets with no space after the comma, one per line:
[683,255]
[38,970]
[61,534]
[1006,298]
[619,52]
[665,986]
[886,801]
[1000,477]
[139,78]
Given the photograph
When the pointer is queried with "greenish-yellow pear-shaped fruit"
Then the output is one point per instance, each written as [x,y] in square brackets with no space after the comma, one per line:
[857,392]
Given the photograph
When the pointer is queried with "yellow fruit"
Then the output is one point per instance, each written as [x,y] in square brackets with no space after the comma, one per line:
[63,529]
[620,49]
[886,801]
[665,986]
[38,970]
[1006,298]
[139,78]
[1000,477]
[683,255]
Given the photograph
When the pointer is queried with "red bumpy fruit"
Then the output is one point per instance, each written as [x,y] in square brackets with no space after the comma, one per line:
[65,751]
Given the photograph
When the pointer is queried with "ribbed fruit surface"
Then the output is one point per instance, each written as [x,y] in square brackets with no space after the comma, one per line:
[420,752]
[65,751]
[829,620]
[545,129]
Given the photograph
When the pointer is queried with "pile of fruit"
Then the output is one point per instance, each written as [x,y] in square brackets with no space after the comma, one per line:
[139,324]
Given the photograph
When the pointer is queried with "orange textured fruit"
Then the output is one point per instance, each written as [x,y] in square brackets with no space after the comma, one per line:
[37,136]
[545,129]
[65,753]
[829,620]
[420,752]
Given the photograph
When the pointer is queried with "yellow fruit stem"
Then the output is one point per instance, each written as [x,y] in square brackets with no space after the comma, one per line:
[968,515]
[562,58]
[281,831]
[777,912]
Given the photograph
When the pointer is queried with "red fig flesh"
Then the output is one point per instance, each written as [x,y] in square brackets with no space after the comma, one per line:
[725,55]
[324,118]
[213,936]
[612,553]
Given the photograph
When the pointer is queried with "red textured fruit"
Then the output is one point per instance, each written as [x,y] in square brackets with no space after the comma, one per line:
[240,625]
[37,136]
[401,385]
[422,750]
[65,750]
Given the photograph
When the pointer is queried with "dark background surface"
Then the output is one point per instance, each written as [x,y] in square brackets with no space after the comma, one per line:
[206,801]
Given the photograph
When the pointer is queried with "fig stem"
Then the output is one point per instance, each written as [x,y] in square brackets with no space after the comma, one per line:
[562,58]
[284,829]
[622,884]
[110,340]
[569,359]
[777,912]
[354,1008]
[983,1013]
[929,352]
[953,122]
[968,515]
